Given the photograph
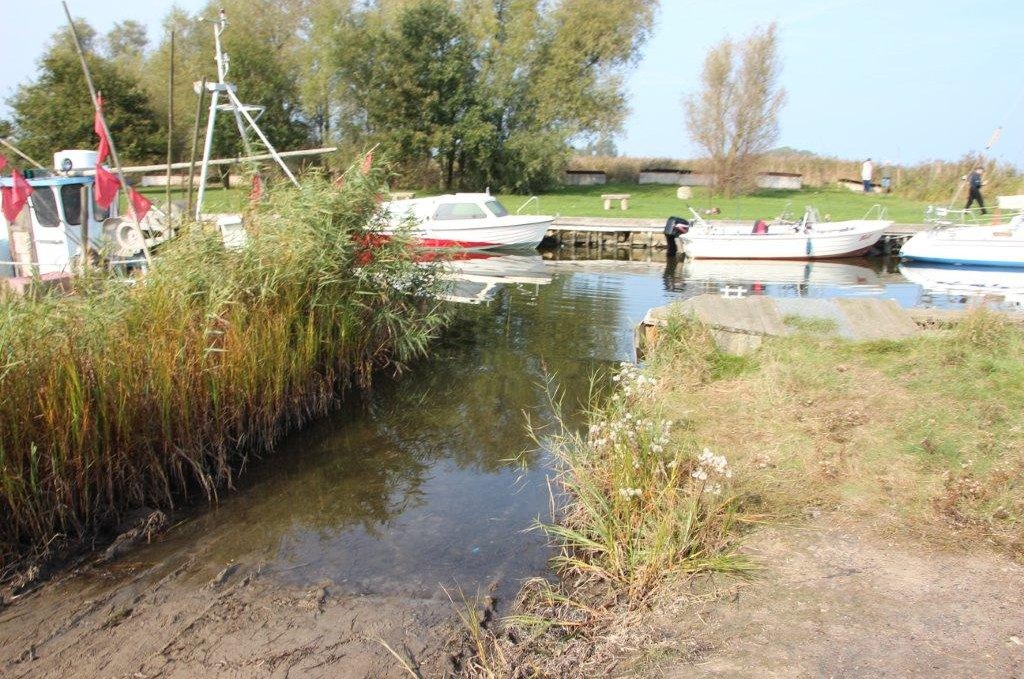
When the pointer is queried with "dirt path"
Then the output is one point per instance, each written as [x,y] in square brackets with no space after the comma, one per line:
[836,600]
[190,622]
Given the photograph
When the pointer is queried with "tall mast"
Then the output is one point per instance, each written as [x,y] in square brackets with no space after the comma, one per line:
[240,111]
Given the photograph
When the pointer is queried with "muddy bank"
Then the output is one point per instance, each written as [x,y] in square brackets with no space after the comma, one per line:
[191,620]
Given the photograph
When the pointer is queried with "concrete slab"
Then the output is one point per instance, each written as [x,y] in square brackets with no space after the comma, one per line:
[873,319]
[739,325]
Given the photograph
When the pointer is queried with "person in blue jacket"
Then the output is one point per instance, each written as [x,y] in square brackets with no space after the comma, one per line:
[976,180]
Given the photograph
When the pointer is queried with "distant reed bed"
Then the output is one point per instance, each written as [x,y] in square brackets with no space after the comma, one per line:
[935,181]
[128,394]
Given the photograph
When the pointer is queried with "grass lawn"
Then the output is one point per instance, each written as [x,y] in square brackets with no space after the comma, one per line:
[216,199]
[655,201]
[648,201]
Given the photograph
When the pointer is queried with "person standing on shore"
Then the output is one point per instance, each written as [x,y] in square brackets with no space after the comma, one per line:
[673,227]
[867,170]
[975,181]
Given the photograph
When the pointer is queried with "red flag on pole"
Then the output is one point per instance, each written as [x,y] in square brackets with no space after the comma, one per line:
[15,197]
[140,204]
[106,187]
[367,162]
[97,125]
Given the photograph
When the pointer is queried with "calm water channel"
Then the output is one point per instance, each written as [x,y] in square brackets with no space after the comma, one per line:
[423,484]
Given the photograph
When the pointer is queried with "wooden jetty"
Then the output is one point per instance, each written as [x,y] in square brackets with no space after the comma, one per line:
[625,232]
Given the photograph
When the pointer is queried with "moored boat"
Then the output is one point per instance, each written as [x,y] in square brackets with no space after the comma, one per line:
[808,238]
[46,236]
[992,245]
[466,220]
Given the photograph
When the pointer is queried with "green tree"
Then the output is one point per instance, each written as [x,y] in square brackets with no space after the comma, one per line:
[418,90]
[55,112]
[541,75]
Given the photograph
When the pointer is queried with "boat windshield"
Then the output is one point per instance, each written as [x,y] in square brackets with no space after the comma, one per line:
[71,197]
[497,208]
[44,203]
[459,211]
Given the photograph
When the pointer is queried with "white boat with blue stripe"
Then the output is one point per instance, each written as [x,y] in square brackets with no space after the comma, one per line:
[992,245]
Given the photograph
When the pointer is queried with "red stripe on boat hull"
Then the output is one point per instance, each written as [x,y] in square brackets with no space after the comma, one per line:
[445,243]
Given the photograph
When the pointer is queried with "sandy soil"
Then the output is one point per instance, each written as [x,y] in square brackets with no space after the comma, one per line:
[835,599]
[193,622]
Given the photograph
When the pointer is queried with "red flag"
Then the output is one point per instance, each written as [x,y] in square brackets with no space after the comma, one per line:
[15,197]
[3,161]
[367,162]
[106,187]
[140,204]
[97,125]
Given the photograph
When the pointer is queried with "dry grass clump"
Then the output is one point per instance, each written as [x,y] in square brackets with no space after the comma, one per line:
[136,392]
[640,508]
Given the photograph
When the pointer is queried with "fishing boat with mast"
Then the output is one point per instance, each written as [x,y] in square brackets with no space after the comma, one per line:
[58,218]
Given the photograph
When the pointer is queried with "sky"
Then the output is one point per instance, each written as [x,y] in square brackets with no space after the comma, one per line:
[896,80]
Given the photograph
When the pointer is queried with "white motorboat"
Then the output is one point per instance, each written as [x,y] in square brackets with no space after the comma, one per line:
[808,238]
[466,220]
[992,245]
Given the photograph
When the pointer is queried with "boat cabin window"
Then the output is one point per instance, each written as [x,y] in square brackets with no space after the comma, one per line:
[459,211]
[71,199]
[44,203]
[497,208]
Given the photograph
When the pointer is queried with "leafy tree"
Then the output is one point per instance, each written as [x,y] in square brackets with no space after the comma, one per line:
[417,93]
[734,117]
[541,75]
[126,40]
[41,127]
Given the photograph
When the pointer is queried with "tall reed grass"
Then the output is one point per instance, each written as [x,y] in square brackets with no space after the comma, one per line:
[142,391]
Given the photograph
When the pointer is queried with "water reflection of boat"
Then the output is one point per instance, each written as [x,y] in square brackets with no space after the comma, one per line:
[476,276]
[971,281]
[778,271]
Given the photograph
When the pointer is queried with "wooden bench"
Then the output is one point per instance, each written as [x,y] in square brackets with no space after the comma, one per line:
[623,199]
